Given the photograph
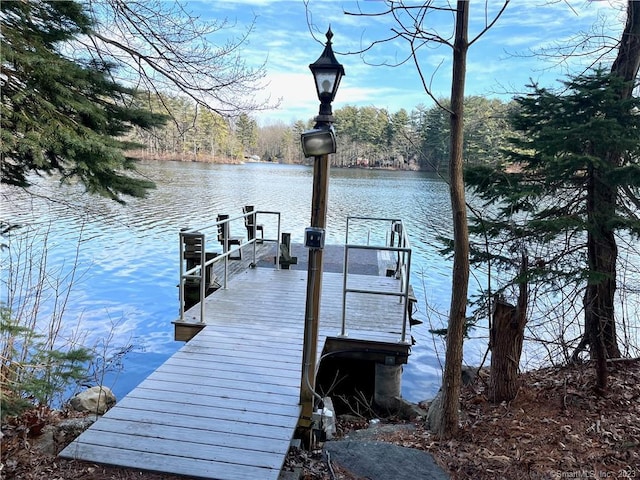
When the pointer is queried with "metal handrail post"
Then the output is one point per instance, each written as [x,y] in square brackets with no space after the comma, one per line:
[254,252]
[225,245]
[402,281]
[203,278]
[345,269]
[405,312]
[255,236]
[253,214]
[278,244]
[346,237]
[181,288]
[405,244]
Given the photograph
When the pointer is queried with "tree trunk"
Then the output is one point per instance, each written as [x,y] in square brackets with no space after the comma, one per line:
[627,62]
[448,422]
[626,65]
[506,339]
[602,251]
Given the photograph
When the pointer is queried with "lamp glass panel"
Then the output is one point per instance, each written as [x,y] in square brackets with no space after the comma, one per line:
[325,81]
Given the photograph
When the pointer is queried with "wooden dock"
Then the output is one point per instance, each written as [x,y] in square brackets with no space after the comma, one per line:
[225,406]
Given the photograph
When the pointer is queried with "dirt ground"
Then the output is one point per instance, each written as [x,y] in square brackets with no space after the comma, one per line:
[556,428]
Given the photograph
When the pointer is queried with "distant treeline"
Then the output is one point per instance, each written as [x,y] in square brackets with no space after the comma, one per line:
[368,137]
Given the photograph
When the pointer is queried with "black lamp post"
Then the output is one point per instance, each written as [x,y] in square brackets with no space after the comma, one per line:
[318,143]
[327,73]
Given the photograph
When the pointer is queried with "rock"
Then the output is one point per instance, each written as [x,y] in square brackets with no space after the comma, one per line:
[404,409]
[347,417]
[68,430]
[383,461]
[295,474]
[408,410]
[378,430]
[46,443]
[55,437]
[434,414]
[95,400]
[469,374]
[72,427]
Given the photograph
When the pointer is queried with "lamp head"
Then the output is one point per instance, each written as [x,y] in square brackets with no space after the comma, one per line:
[327,73]
[318,141]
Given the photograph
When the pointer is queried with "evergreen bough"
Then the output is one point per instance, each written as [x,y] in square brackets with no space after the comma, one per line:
[62,114]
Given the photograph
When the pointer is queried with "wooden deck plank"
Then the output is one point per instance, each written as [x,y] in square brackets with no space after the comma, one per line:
[220,339]
[193,420]
[265,352]
[364,312]
[222,392]
[197,399]
[262,354]
[205,381]
[267,375]
[231,394]
[198,433]
[197,450]
[192,467]
[210,413]
[242,364]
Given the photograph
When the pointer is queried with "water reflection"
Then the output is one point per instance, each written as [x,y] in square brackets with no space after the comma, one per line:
[129,254]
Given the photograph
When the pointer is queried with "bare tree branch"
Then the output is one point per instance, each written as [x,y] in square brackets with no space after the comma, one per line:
[595,46]
[414,24]
[491,23]
[165,49]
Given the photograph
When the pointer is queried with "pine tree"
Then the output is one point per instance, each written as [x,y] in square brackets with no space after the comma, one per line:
[562,190]
[247,133]
[63,115]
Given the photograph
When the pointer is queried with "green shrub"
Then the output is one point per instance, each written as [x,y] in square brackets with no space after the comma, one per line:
[33,372]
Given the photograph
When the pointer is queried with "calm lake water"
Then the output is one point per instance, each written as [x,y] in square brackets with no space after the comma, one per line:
[124,292]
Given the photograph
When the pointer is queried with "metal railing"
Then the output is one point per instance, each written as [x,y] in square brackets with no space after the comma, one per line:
[395,234]
[196,239]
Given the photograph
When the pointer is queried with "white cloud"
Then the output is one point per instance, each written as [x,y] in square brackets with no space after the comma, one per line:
[500,62]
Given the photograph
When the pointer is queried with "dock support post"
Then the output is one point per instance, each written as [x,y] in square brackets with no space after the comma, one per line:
[388,382]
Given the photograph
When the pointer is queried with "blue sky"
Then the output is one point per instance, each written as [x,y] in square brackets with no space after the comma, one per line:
[499,64]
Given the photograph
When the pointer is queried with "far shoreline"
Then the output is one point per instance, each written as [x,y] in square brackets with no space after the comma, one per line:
[191,158]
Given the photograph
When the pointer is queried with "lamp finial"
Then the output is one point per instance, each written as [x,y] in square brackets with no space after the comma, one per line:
[329,35]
